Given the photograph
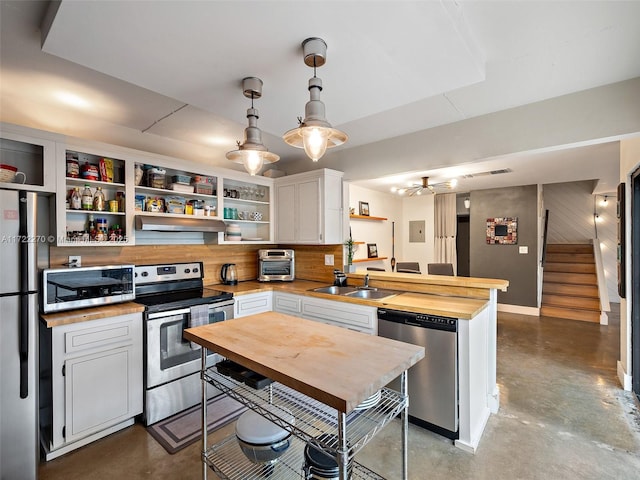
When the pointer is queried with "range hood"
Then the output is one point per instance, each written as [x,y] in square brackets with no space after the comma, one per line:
[179,224]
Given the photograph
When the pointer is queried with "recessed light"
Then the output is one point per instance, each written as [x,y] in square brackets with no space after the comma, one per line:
[72,99]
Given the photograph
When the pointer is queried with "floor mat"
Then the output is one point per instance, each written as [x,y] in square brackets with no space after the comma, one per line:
[183,429]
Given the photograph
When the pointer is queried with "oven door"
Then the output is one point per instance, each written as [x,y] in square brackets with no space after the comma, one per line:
[281,269]
[168,355]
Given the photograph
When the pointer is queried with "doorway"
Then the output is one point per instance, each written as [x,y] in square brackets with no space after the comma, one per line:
[635,283]
[463,246]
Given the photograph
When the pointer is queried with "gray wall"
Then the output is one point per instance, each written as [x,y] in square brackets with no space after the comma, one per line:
[504,261]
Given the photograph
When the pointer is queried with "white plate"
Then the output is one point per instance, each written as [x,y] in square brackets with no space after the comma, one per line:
[251,239]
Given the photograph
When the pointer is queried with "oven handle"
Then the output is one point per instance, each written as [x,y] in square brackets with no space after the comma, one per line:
[182,311]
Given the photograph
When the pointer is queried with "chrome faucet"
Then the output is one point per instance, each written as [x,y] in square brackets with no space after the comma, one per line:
[366,281]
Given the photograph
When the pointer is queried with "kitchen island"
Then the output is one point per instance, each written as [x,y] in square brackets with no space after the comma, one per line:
[473,301]
[336,367]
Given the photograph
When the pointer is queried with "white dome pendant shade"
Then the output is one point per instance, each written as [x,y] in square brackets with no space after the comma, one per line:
[252,153]
[315,134]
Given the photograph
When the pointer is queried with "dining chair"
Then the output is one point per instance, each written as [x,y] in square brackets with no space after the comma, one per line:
[408,267]
[440,269]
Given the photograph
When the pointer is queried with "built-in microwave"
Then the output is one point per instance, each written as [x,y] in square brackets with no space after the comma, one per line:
[276,265]
[79,287]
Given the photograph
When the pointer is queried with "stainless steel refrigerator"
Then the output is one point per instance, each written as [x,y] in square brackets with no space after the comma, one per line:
[19,452]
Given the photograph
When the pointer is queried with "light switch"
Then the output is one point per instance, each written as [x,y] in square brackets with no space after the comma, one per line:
[328,259]
[523,250]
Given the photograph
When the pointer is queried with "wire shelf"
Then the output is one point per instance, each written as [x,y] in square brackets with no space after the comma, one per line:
[312,417]
[229,463]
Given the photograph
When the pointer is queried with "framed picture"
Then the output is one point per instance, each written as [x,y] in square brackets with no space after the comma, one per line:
[364,209]
[372,250]
[502,230]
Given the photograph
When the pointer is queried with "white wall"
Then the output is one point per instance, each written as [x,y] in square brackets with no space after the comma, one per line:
[396,209]
[379,232]
[418,208]
[629,162]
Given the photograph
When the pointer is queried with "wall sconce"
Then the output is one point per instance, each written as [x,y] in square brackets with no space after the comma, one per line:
[252,153]
[467,203]
[315,134]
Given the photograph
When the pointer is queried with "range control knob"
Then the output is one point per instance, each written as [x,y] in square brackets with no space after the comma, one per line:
[145,274]
[195,270]
[186,270]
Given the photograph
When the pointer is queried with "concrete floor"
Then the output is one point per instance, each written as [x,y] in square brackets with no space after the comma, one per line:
[562,416]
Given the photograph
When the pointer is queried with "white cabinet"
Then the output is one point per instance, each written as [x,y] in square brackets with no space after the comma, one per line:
[33,153]
[252,303]
[309,208]
[287,303]
[361,318]
[95,385]
[246,202]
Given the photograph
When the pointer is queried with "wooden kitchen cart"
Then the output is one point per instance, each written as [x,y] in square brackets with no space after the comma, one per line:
[321,374]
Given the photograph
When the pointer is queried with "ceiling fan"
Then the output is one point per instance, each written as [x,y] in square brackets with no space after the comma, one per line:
[425,186]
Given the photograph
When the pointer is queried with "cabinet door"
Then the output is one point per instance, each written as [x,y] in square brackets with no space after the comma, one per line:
[341,314]
[287,303]
[253,303]
[285,213]
[308,204]
[97,391]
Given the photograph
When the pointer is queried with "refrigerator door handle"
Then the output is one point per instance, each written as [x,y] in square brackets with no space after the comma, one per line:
[26,212]
[24,345]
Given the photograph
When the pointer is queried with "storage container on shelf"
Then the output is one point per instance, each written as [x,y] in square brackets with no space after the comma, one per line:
[156,177]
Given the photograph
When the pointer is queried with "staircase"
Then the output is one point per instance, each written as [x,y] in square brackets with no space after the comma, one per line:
[570,285]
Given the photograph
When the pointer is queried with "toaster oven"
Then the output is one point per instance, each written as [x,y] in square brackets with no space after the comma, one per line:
[80,287]
[276,265]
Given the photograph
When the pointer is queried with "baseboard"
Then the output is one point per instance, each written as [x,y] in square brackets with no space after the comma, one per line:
[625,380]
[51,454]
[504,307]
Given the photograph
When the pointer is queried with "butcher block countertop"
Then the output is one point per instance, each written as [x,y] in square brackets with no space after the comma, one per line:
[86,314]
[336,366]
[444,305]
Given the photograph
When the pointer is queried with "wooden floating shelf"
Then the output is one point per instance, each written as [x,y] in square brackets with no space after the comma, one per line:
[366,217]
[358,243]
[359,260]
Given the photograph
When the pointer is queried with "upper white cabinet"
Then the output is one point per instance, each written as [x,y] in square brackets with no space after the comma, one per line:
[30,152]
[309,208]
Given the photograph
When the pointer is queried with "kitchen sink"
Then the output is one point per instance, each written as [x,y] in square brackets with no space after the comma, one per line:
[371,294]
[334,290]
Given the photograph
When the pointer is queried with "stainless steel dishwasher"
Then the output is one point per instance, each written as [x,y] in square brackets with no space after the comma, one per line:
[433,381]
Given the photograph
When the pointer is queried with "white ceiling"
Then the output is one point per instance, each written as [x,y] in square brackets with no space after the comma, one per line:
[393,67]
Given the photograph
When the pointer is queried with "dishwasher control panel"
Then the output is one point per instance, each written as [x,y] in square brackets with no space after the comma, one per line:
[419,319]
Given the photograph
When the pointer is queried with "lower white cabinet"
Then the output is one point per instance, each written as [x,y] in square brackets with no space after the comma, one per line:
[361,318]
[91,380]
[342,314]
[252,303]
[287,303]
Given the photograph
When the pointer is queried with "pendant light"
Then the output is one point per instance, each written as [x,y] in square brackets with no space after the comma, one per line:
[252,153]
[315,134]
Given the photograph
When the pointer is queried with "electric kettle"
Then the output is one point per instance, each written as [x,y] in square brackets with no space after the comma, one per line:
[228,274]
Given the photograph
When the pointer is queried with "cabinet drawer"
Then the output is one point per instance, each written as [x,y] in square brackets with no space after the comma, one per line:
[98,336]
[285,303]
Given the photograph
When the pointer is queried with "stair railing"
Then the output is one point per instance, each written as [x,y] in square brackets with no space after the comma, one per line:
[545,233]
[603,293]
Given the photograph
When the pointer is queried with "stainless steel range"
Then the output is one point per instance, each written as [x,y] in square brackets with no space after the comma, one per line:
[175,299]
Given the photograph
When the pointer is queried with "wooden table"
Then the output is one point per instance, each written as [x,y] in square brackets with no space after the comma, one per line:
[333,365]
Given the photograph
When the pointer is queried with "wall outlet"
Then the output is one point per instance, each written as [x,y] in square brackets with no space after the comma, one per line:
[328,259]
[523,250]
[75,260]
